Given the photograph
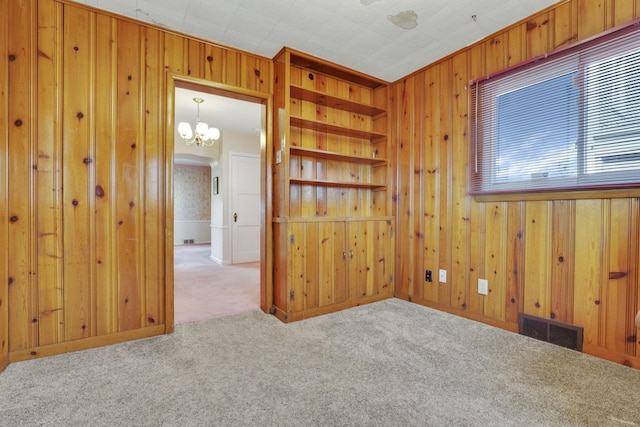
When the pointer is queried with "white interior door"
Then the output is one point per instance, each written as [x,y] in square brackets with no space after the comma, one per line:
[245,207]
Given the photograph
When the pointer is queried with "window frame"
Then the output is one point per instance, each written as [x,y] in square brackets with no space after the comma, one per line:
[481,177]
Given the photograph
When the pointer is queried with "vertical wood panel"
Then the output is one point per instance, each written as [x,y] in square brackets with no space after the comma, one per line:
[128,154]
[105,186]
[78,165]
[4,186]
[591,17]
[403,149]
[537,286]
[616,289]
[495,260]
[444,190]
[49,185]
[562,263]
[515,261]
[459,210]
[588,274]
[154,161]
[431,183]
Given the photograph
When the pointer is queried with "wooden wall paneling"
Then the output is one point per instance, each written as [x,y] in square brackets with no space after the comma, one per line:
[622,11]
[195,58]
[538,36]
[537,274]
[516,45]
[496,218]
[404,230]
[232,68]
[77,173]
[589,268]
[4,185]
[154,161]
[474,302]
[591,17]
[447,124]
[565,28]
[431,184]
[49,149]
[174,54]
[495,268]
[616,289]
[105,182]
[129,154]
[22,331]
[418,176]
[495,52]
[562,260]
[257,72]
[213,65]
[460,205]
[514,299]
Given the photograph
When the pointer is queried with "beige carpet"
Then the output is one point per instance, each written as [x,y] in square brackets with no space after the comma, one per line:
[391,363]
[205,289]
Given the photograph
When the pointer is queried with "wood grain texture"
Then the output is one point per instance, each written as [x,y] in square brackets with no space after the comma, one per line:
[88,114]
[4,185]
[568,256]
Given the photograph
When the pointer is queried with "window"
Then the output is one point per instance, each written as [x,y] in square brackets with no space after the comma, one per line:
[570,120]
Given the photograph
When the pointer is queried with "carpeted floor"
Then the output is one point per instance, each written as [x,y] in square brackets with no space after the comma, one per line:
[391,363]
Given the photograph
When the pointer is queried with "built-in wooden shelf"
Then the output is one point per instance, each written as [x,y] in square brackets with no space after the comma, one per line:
[330,155]
[336,129]
[326,100]
[303,60]
[339,184]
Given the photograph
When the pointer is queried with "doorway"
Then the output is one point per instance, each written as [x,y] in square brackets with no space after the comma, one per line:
[208,282]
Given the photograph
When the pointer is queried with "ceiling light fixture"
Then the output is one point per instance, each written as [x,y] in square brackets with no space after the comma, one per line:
[204,135]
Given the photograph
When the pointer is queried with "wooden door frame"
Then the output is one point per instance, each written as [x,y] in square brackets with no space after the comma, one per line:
[266,196]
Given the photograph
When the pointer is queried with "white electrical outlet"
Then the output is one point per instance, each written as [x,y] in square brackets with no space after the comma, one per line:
[278,157]
[443,276]
[483,286]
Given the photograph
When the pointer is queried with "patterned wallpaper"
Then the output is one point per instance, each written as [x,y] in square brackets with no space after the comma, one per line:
[192,193]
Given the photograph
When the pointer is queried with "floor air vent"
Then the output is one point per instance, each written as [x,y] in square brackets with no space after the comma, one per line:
[558,333]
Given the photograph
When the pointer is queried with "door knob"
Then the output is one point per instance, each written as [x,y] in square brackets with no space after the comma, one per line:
[235,217]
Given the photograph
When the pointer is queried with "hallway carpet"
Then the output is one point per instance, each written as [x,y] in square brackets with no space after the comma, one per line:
[205,289]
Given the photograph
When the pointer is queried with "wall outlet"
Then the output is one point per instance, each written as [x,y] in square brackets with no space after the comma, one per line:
[278,157]
[483,286]
[443,276]
[427,276]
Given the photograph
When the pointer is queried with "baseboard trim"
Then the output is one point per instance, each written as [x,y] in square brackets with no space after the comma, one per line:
[508,326]
[85,343]
[317,311]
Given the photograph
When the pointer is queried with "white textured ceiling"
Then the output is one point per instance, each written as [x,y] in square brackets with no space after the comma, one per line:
[358,34]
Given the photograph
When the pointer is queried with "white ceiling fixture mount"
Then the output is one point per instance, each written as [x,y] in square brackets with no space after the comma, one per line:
[203,135]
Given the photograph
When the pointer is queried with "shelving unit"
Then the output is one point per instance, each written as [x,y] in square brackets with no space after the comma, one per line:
[332,205]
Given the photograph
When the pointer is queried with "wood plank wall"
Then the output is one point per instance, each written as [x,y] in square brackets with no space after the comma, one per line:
[573,258]
[83,148]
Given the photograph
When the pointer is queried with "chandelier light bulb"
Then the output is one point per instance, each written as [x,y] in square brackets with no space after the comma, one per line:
[204,135]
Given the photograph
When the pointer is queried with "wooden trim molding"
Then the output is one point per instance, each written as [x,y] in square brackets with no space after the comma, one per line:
[84,344]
